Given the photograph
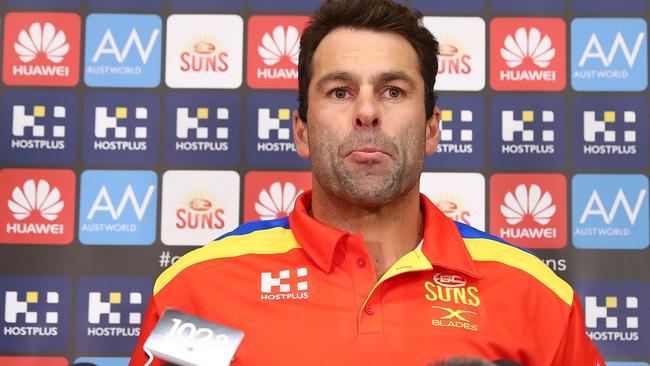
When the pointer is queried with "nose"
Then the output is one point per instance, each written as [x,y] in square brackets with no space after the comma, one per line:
[367,110]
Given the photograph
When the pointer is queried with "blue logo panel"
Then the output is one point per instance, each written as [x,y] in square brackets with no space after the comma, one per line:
[118,207]
[610,211]
[109,313]
[609,54]
[121,128]
[123,50]
[35,314]
[202,129]
[449,6]
[611,132]
[528,6]
[145,5]
[269,136]
[461,134]
[604,7]
[38,127]
[617,317]
[528,131]
[104,361]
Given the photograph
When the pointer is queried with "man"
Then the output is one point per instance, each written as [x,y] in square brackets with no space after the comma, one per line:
[366,271]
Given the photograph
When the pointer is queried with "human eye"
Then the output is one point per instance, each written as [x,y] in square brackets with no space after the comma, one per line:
[393,92]
[339,93]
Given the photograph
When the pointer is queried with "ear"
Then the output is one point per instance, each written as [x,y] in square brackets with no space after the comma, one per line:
[432,136]
[300,136]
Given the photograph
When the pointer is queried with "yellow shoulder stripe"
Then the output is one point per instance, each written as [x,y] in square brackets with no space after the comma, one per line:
[490,250]
[271,241]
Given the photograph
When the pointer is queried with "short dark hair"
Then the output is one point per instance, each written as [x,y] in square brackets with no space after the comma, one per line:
[377,15]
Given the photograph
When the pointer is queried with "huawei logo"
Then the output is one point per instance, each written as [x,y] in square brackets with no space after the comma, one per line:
[277,202]
[35,197]
[528,201]
[41,39]
[526,45]
[281,43]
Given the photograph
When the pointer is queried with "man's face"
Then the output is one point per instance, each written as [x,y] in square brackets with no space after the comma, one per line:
[367,133]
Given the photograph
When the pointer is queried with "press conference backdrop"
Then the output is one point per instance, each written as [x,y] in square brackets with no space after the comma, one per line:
[134,131]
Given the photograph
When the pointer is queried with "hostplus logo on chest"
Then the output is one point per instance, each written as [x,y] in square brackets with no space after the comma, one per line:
[43,127]
[287,284]
[202,129]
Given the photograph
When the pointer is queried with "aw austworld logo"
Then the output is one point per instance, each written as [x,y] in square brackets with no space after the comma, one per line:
[269,141]
[110,311]
[35,314]
[41,49]
[611,132]
[272,195]
[528,130]
[610,211]
[609,54]
[40,127]
[121,128]
[202,129]
[461,133]
[616,316]
[118,207]
[123,50]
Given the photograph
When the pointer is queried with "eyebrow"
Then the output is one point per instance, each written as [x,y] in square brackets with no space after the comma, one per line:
[383,77]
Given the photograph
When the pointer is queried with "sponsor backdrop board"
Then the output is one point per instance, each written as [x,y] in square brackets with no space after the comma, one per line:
[132,132]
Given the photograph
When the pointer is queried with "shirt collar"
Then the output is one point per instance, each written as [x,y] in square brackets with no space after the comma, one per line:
[443,245]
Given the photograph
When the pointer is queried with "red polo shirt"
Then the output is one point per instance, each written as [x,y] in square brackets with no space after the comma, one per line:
[307,294]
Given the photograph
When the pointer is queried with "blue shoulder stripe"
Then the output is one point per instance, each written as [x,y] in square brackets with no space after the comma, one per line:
[470,232]
[249,227]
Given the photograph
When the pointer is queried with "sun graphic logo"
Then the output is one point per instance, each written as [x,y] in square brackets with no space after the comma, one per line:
[35,197]
[278,201]
[528,201]
[42,39]
[283,43]
[527,45]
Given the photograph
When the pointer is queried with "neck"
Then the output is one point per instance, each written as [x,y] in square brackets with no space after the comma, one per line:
[389,231]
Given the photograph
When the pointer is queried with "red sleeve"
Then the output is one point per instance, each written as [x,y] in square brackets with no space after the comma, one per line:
[151,317]
[576,348]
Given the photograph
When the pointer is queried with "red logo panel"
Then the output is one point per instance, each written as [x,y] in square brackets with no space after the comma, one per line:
[529,210]
[41,49]
[32,361]
[273,47]
[527,54]
[271,195]
[37,206]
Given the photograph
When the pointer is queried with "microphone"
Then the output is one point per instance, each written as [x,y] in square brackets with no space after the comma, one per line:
[186,340]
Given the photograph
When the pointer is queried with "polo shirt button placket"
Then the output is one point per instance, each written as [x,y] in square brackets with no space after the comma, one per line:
[361,262]
[370,310]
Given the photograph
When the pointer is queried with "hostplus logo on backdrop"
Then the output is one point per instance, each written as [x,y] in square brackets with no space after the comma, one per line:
[461,64]
[527,54]
[123,50]
[109,312]
[269,142]
[460,196]
[35,314]
[202,55]
[37,206]
[461,131]
[528,129]
[41,49]
[529,209]
[610,211]
[611,132]
[273,48]
[40,128]
[616,316]
[609,54]
[118,207]
[121,128]
[272,195]
[195,210]
[202,129]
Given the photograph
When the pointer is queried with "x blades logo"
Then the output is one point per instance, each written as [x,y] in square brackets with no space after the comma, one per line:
[41,49]
[527,54]
[272,195]
[202,129]
[123,50]
[43,127]
[609,54]
[121,203]
[610,211]
[529,209]
[455,318]
[110,310]
[611,132]
[35,314]
[528,130]
[616,316]
[287,285]
[38,206]
[460,196]
[273,48]
[32,361]
[194,209]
